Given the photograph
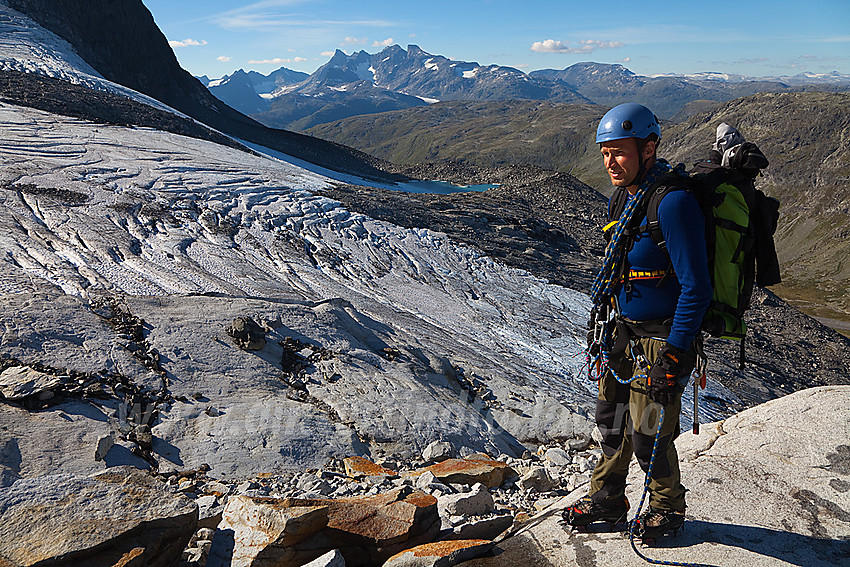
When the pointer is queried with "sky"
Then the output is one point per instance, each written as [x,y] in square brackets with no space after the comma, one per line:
[747,37]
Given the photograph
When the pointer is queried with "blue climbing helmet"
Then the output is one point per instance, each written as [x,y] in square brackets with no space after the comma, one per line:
[629,120]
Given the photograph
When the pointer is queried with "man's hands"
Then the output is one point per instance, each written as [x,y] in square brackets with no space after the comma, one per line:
[672,363]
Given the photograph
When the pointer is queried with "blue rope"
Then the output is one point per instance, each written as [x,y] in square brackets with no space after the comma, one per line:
[615,252]
[634,523]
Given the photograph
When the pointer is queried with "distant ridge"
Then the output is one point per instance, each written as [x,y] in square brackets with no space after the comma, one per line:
[397,79]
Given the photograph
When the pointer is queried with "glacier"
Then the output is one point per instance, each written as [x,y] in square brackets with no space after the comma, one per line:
[190,234]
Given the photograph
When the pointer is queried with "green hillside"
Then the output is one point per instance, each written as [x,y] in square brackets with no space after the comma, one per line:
[543,134]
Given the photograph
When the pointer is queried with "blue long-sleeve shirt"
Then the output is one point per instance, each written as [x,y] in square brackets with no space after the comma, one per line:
[684,295]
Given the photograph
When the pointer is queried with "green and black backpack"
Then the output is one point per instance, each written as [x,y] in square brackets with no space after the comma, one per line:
[740,223]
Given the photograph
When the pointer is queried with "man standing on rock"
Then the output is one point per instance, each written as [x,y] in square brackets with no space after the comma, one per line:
[650,299]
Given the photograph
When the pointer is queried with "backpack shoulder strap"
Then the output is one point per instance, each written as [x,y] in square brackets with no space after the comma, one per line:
[617,204]
[673,181]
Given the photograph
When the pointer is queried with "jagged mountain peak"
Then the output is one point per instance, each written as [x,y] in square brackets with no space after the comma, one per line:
[414,50]
[339,57]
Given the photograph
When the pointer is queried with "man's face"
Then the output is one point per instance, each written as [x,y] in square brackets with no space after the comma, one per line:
[622,160]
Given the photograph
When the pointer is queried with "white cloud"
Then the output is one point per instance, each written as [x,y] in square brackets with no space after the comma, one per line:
[328,53]
[186,43]
[386,43]
[350,40]
[586,46]
[223,58]
[276,15]
[277,61]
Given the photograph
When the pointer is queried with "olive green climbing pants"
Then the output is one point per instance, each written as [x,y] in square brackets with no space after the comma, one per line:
[628,421]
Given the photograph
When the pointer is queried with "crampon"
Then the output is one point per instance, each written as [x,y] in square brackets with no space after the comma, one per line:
[586,511]
[654,524]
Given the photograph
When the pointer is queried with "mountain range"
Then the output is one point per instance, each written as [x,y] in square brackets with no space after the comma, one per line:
[396,79]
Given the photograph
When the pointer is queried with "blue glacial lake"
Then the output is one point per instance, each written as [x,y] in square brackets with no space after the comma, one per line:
[440,187]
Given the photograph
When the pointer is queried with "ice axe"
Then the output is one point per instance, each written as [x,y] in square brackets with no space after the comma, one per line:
[699,383]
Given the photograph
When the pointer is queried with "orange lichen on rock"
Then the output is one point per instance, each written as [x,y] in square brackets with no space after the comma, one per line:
[360,466]
[444,548]
[489,472]
[440,553]
[385,518]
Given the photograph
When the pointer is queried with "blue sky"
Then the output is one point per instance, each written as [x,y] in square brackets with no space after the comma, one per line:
[748,37]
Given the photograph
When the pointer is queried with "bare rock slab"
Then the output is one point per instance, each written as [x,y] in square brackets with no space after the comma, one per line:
[121,516]
[440,554]
[768,487]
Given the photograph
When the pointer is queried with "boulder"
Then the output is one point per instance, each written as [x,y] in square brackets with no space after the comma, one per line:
[385,520]
[259,532]
[289,532]
[427,482]
[210,510]
[104,444]
[537,480]
[122,516]
[489,472]
[440,554]
[477,502]
[19,382]
[437,451]
[247,334]
[579,443]
[558,457]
